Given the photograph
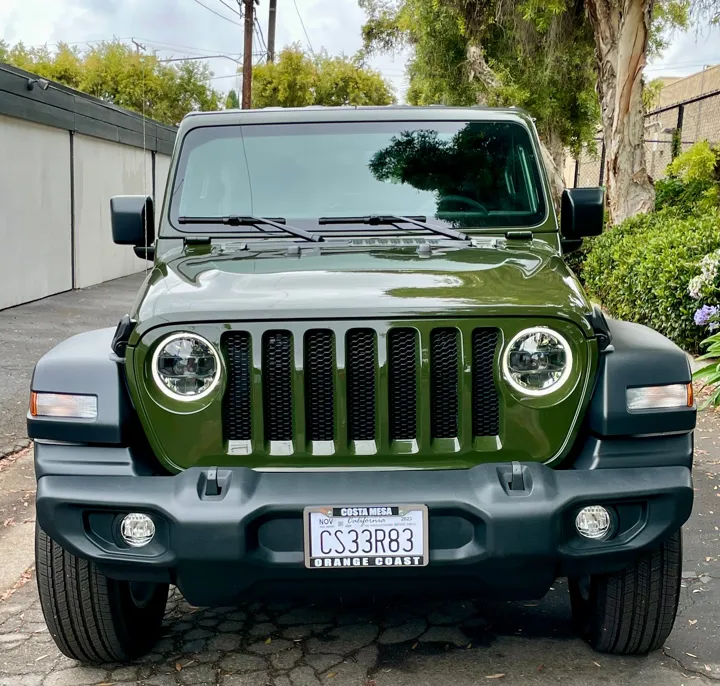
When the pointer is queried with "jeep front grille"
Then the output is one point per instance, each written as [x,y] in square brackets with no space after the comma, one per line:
[319,391]
[361,386]
[444,383]
[360,389]
[486,410]
[277,385]
[402,384]
[236,408]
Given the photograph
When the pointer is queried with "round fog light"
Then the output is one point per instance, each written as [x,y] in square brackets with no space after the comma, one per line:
[593,522]
[137,529]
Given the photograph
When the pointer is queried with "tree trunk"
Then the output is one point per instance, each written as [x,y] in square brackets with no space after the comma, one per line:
[621,29]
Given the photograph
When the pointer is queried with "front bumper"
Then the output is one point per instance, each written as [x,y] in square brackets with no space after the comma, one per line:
[484,536]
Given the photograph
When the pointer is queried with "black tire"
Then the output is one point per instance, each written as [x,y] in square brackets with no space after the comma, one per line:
[91,617]
[631,612]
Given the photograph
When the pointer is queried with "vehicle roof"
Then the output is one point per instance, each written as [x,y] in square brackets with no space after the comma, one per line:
[315,114]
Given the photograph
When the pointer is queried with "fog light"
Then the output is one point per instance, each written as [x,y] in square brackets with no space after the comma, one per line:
[137,529]
[593,522]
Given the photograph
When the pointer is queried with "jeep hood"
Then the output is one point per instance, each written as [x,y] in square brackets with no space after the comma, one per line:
[498,279]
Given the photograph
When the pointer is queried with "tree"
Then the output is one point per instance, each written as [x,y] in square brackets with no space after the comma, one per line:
[548,56]
[232,102]
[297,79]
[116,73]
[625,32]
[496,53]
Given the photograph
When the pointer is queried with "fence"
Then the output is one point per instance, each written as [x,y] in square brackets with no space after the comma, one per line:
[669,131]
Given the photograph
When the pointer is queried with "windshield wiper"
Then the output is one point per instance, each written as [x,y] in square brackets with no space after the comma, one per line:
[377,220]
[236,220]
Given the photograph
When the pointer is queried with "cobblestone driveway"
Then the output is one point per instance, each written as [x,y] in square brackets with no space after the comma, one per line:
[455,643]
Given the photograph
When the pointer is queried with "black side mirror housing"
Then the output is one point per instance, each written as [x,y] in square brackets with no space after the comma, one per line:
[133,220]
[582,213]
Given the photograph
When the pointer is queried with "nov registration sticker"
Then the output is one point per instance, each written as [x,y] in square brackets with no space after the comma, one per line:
[356,536]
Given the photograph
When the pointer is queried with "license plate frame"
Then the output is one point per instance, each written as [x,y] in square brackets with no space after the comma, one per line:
[360,560]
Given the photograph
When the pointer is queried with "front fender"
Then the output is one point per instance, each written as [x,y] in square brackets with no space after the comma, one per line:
[84,365]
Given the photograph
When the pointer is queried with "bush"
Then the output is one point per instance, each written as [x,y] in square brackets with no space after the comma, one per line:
[692,182]
[640,270]
[684,196]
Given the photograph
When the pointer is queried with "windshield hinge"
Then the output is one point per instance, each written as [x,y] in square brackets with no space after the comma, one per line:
[519,235]
[197,240]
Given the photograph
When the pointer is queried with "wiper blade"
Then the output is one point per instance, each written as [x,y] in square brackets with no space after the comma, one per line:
[378,219]
[236,220]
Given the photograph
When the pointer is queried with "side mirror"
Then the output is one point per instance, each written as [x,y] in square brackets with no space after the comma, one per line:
[582,212]
[133,220]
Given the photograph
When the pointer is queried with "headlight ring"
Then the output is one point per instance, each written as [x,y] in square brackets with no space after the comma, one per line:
[186,367]
[537,361]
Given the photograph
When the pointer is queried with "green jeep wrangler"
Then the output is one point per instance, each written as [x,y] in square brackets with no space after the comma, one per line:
[359,364]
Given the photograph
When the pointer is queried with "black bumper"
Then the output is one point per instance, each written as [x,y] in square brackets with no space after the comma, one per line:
[246,542]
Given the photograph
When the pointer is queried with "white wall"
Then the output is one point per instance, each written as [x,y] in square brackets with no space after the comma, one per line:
[104,169]
[35,253]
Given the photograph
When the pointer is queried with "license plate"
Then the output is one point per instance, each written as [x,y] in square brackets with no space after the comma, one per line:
[352,537]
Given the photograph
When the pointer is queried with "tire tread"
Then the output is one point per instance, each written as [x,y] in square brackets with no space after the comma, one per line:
[83,608]
[632,612]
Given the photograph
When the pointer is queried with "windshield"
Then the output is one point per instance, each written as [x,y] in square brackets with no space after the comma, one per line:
[468,174]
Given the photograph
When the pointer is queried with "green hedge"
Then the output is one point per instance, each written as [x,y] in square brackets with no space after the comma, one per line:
[640,270]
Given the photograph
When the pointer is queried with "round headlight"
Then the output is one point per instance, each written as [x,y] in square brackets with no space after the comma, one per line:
[537,361]
[186,367]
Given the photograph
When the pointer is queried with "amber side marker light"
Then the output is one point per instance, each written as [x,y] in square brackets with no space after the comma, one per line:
[659,397]
[63,405]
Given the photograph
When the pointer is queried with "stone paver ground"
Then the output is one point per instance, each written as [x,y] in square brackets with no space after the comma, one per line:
[278,644]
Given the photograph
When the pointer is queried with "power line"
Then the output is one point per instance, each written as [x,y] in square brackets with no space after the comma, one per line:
[222,16]
[260,34]
[231,8]
[173,46]
[302,23]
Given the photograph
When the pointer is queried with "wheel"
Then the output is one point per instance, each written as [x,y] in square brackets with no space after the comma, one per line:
[91,617]
[630,612]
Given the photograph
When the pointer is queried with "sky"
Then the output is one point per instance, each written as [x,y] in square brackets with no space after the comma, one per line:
[178,28]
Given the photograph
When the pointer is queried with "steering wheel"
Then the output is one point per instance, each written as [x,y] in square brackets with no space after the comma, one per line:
[468,202]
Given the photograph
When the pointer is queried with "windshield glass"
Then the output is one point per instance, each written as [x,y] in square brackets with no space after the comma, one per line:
[468,174]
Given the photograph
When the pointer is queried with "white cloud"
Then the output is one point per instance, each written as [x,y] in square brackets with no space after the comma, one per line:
[688,53]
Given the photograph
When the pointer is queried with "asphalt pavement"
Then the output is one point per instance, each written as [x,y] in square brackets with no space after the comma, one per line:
[28,331]
[418,643]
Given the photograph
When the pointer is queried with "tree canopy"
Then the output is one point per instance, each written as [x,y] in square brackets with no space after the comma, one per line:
[115,72]
[530,54]
[573,64]
[297,79]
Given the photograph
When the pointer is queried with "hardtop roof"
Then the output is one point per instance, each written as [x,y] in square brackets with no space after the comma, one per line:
[316,114]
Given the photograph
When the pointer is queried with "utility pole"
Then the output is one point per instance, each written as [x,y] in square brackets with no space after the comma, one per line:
[247,54]
[271,31]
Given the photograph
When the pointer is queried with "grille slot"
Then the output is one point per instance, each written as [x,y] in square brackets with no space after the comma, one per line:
[236,406]
[485,401]
[402,358]
[361,384]
[277,385]
[444,383]
[319,394]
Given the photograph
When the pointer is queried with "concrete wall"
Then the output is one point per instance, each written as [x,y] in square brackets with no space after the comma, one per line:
[63,155]
[102,170]
[35,211]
